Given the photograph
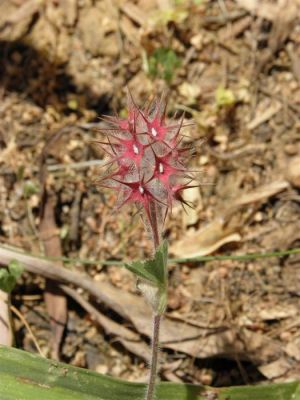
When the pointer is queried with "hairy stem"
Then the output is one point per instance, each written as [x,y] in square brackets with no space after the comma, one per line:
[154,223]
[154,357]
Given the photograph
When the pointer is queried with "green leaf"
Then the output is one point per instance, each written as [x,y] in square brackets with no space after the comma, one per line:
[29,189]
[153,271]
[9,276]
[153,276]
[26,376]
[7,282]
[162,63]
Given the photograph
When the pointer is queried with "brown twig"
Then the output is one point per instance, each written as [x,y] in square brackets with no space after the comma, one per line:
[50,270]
[130,340]
[55,299]
[23,319]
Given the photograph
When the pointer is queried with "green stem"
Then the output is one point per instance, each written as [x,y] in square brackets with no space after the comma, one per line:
[153,219]
[154,358]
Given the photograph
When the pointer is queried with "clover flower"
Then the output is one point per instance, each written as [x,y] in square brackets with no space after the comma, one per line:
[146,159]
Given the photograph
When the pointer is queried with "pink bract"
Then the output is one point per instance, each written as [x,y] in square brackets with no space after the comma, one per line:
[145,158]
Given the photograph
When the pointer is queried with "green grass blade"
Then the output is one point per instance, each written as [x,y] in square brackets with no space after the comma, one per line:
[235,257]
[279,391]
[26,376]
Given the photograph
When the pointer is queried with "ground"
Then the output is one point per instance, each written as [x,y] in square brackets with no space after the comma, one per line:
[233,67]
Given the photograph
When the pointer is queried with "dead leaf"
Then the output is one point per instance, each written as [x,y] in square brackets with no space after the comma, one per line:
[205,241]
[223,229]
[292,349]
[262,193]
[275,369]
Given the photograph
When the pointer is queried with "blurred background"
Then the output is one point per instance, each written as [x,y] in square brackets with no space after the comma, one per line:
[233,68]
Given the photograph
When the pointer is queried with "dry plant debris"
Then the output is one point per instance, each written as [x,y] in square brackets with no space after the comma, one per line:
[233,67]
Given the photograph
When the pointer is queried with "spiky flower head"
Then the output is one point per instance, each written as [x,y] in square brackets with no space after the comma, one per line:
[146,162]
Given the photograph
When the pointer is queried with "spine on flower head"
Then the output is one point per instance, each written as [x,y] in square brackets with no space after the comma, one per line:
[146,161]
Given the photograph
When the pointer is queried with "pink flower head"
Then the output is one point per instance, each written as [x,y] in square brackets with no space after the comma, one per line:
[147,162]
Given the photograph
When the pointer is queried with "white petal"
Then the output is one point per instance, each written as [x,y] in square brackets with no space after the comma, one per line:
[154,132]
[135,149]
